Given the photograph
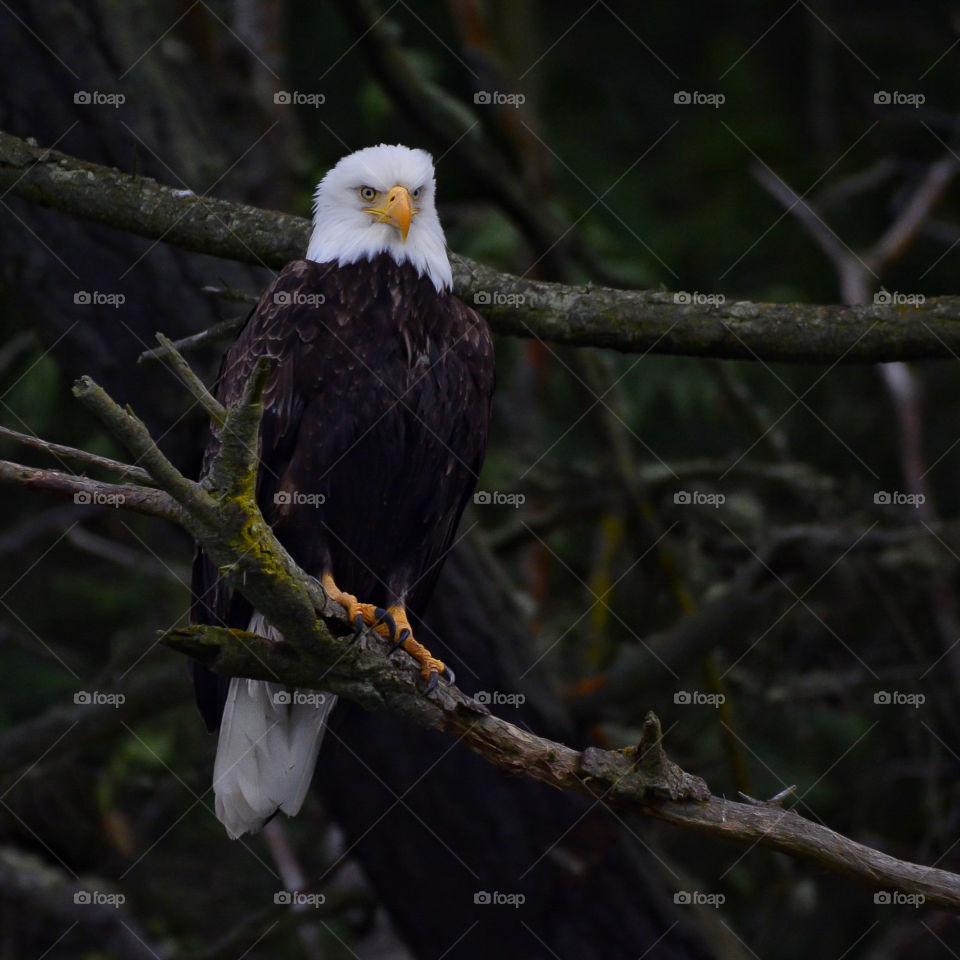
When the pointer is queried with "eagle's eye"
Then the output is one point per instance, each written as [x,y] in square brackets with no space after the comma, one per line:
[367,193]
[416,193]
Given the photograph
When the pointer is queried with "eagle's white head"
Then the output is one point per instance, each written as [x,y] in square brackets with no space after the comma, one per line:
[381,200]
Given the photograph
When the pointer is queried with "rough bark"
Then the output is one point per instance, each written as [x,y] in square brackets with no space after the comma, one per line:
[632,321]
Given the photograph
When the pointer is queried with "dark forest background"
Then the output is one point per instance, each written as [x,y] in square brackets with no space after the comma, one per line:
[765,554]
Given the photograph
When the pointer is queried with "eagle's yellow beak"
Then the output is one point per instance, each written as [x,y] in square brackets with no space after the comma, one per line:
[395,208]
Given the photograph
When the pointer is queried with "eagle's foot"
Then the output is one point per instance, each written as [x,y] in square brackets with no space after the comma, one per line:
[362,614]
[431,669]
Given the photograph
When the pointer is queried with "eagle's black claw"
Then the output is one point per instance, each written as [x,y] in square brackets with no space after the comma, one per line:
[449,675]
[357,627]
[384,616]
[404,633]
[431,683]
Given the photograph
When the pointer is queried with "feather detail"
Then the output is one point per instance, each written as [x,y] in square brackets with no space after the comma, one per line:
[269,741]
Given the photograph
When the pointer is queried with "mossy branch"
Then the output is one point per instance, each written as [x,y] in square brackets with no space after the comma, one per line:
[633,321]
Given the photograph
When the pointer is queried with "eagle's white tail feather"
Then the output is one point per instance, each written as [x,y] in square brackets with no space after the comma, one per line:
[269,740]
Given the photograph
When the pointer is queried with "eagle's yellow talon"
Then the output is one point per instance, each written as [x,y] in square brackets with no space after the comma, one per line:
[431,665]
[390,623]
[366,611]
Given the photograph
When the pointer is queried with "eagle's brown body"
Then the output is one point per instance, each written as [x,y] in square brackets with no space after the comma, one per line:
[374,430]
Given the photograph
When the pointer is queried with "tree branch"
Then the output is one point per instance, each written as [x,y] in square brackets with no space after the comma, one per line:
[167,351]
[905,227]
[153,503]
[62,452]
[219,331]
[316,654]
[625,779]
[770,826]
[635,321]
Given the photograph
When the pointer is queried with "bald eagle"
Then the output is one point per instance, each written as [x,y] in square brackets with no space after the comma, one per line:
[374,430]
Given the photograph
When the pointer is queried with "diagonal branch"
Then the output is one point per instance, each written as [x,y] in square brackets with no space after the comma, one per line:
[905,227]
[167,351]
[62,453]
[316,653]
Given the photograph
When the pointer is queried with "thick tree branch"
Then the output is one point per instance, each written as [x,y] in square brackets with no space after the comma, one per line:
[628,780]
[635,321]
[770,826]
[642,779]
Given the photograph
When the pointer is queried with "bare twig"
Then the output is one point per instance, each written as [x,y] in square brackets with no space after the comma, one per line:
[231,294]
[190,380]
[811,220]
[58,518]
[900,234]
[224,330]
[153,503]
[58,450]
[854,185]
